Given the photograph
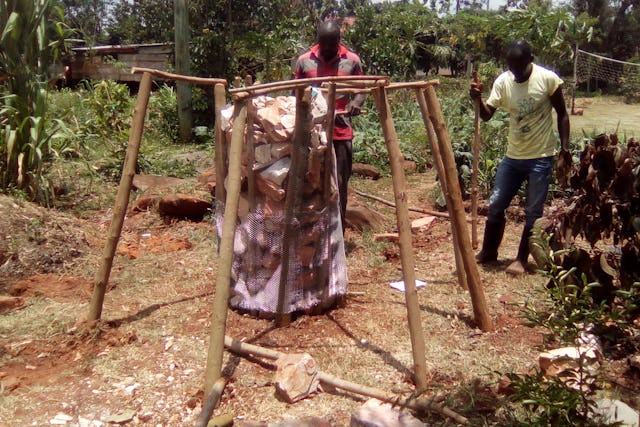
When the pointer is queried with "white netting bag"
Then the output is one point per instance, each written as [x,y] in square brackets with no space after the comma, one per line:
[313,257]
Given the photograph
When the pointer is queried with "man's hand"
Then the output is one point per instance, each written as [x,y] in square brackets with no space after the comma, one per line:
[476,91]
[353,109]
[563,167]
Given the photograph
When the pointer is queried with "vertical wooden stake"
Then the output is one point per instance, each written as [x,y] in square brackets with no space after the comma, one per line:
[297,170]
[122,198]
[474,173]
[480,311]
[437,159]
[223,279]
[404,229]
[220,98]
[328,177]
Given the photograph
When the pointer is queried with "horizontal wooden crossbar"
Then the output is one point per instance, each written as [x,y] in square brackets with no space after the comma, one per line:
[180,77]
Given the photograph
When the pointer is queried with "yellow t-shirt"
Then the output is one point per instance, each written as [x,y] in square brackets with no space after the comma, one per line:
[529,105]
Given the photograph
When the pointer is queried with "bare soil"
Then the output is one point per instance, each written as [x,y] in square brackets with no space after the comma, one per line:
[144,363]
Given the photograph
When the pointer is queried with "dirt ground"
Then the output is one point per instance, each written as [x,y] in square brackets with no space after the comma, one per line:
[144,364]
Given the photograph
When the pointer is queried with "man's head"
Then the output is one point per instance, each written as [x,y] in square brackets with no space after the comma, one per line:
[520,60]
[328,39]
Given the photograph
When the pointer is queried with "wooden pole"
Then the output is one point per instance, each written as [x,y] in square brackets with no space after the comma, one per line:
[122,198]
[207,81]
[221,146]
[297,170]
[223,279]
[328,177]
[211,402]
[183,66]
[396,161]
[480,310]
[424,404]
[297,83]
[437,160]
[474,172]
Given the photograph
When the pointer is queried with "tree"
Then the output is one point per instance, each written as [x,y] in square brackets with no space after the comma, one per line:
[88,18]
[142,21]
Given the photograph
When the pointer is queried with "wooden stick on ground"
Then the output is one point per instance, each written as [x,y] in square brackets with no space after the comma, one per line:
[223,279]
[421,404]
[393,205]
[437,160]
[396,160]
[122,198]
[480,311]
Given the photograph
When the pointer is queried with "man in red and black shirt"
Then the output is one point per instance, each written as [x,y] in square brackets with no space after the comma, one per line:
[330,58]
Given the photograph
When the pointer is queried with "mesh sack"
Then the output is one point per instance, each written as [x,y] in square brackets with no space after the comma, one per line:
[288,244]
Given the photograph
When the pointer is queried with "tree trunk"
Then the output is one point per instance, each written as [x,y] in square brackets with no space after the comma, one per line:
[183,66]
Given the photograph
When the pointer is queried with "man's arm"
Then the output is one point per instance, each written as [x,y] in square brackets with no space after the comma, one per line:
[486,111]
[564,127]
[355,105]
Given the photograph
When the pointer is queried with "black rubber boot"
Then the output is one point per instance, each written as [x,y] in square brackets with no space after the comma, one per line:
[519,265]
[523,249]
[493,232]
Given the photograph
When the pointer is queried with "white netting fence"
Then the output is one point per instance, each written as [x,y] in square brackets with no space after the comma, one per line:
[598,71]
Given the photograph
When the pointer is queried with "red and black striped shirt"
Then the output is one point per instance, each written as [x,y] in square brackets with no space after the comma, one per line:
[345,63]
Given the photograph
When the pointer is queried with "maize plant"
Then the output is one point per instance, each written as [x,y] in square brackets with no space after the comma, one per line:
[31,40]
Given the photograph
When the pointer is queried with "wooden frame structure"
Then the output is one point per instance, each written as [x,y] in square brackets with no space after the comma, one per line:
[379,86]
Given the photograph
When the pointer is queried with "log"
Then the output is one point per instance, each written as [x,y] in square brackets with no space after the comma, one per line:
[170,76]
[393,205]
[421,404]
[122,198]
[480,311]
[212,401]
[223,280]
[437,159]
[396,161]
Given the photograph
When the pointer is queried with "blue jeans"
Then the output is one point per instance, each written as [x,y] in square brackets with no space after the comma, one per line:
[510,176]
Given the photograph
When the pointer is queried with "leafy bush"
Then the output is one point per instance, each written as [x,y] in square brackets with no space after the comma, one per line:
[163,113]
[111,106]
[538,400]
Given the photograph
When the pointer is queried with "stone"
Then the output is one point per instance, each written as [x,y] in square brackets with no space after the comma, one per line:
[296,376]
[184,206]
[366,171]
[361,217]
[612,410]
[375,413]
[422,223]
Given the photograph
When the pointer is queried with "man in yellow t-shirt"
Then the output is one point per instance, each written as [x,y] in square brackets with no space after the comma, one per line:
[528,92]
